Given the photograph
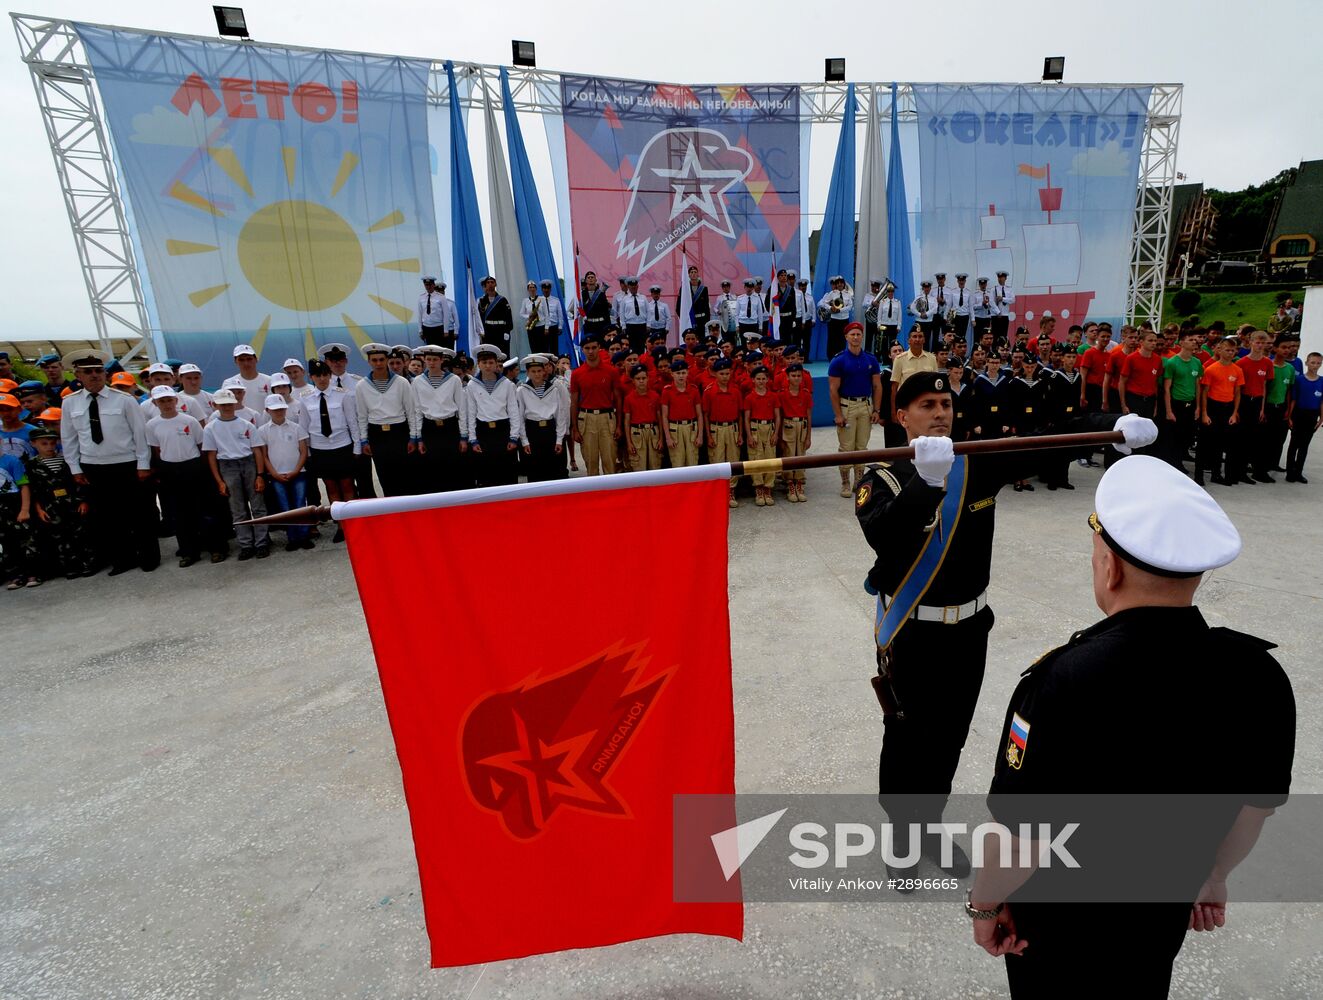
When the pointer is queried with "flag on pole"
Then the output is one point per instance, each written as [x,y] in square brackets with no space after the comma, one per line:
[475,315]
[684,316]
[774,300]
[579,315]
[540,773]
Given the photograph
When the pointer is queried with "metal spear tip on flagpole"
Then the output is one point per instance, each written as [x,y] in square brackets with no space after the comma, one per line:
[300,515]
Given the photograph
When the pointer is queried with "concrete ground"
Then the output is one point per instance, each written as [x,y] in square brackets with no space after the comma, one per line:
[200,795]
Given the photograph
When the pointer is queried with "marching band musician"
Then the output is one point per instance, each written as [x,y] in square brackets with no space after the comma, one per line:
[808,312]
[872,298]
[943,296]
[783,301]
[545,335]
[1002,300]
[983,309]
[658,314]
[960,305]
[617,299]
[923,309]
[837,306]
[632,319]
[433,315]
[727,312]
[597,308]
[494,310]
[530,312]
[749,311]
[889,317]
[701,308]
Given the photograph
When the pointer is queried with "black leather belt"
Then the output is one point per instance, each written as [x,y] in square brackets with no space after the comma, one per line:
[584,410]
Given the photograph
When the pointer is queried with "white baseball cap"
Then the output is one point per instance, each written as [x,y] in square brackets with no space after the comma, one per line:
[275,401]
[164,392]
[245,349]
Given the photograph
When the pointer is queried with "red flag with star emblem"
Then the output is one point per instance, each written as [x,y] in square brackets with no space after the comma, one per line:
[543,728]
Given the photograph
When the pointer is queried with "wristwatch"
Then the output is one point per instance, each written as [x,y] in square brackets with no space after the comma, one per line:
[975,914]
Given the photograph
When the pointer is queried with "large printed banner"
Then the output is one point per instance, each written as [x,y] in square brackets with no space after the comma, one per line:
[654,168]
[279,197]
[1038,181]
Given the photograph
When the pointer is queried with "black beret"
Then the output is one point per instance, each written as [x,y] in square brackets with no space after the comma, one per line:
[721,364]
[918,384]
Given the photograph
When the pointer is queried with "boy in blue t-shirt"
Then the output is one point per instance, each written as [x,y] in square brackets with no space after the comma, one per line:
[13,431]
[1303,417]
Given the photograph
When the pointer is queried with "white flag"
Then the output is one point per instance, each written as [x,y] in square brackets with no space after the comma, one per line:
[475,316]
[684,316]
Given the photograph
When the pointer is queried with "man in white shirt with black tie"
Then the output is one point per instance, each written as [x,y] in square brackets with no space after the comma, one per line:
[960,299]
[431,313]
[104,435]
[633,316]
[658,313]
[544,338]
[749,310]
[1002,300]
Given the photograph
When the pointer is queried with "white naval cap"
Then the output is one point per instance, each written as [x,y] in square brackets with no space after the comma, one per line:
[245,349]
[164,391]
[1156,518]
[429,277]
[535,359]
[374,348]
[275,401]
[512,363]
[491,349]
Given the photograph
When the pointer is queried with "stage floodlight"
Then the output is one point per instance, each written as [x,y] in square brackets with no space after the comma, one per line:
[835,71]
[230,21]
[1054,68]
[525,53]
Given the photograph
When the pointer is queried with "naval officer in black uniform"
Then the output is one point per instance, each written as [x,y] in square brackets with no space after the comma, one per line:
[1154,702]
[934,557]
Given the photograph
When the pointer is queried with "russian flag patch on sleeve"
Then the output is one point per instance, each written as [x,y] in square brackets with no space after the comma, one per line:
[1017,742]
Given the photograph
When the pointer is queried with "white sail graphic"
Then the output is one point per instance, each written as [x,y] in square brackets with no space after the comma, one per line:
[990,260]
[992,228]
[1051,255]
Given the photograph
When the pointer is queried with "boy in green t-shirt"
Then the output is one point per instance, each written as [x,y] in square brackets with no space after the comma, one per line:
[1275,397]
[1180,390]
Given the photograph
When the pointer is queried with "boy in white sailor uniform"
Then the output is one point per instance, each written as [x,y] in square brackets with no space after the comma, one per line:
[388,427]
[545,415]
[442,413]
[496,426]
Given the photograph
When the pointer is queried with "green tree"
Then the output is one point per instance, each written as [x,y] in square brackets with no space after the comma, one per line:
[1242,216]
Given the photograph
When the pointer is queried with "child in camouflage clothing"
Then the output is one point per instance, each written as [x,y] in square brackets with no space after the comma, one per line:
[18,557]
[59,510]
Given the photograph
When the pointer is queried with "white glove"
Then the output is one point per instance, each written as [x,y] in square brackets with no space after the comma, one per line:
[1139,432]
[933,458]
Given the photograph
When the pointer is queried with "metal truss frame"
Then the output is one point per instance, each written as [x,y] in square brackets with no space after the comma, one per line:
[67,99]
[66,96]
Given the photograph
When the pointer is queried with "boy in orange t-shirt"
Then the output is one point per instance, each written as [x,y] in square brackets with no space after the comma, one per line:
[1219,405]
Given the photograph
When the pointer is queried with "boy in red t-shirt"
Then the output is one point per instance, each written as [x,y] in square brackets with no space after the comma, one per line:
[640,408]
[1093,365]
[1140,373]
[681,417]
[796,425]
[721,415]
[1259,371]
[761,413]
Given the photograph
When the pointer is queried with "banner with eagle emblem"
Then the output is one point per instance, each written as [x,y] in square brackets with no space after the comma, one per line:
[656,167]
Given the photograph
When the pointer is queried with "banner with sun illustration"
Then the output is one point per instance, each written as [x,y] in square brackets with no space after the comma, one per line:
[280,197]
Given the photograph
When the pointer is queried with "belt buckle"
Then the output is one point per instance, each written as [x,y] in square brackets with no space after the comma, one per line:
[947,612]
[440,422]
[384,427]
[542,423]
[491,425]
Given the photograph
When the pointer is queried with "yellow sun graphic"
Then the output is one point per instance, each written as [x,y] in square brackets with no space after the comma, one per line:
[296,254]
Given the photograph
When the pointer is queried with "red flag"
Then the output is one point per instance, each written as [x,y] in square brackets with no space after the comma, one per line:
[542,737]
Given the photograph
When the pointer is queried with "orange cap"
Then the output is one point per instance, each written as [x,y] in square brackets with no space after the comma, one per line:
[50,415]
[8,399]
[123,378]
[8,385]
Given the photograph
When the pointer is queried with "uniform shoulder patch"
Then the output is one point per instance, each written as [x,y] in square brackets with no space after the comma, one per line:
[862,494]
[1017,741]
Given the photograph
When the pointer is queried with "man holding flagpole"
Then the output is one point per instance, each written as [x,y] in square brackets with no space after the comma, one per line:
[693,307]
[930,520]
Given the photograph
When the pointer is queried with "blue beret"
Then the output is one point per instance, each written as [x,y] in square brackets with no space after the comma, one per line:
[46,359]
[619,356]
[32,383]
[721,364]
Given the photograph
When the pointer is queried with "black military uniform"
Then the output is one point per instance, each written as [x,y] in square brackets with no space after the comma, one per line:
[702,310]
[497,321]
[936,666]
[1112,712]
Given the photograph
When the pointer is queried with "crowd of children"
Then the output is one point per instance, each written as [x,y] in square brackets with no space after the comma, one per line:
[429,419]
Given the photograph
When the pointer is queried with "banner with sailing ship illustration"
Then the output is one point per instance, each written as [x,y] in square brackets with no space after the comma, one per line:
[1039,181]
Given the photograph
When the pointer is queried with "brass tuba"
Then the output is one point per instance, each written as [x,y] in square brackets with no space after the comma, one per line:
[921,306]
[532,317]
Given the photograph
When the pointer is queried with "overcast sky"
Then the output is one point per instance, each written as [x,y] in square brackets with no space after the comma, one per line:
[1253,90]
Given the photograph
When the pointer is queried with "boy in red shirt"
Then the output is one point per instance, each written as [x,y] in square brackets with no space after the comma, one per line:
[1093,364]
[721,414]
[762,427]
[1254,447]
[1140,374]
[796,425]
[681,417]
[640,408]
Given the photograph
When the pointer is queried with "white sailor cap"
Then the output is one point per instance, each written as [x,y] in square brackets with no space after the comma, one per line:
[333,349]
[1003,274]
[429,277]
[748,282]
[982,279]
[753,335]
[939,275]
[1156,518]
[535,359]
[531,283]
[86,357]
[961,275]
[419,352]
[279,378]
[546,282]
[511,363]
[426,349]
[160,368]
[654,288]
[445,352]
[287,363]
[491,349]
[275,401]
[164,391]
[374,348]
[245,349]
[403,349]
[189,369]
